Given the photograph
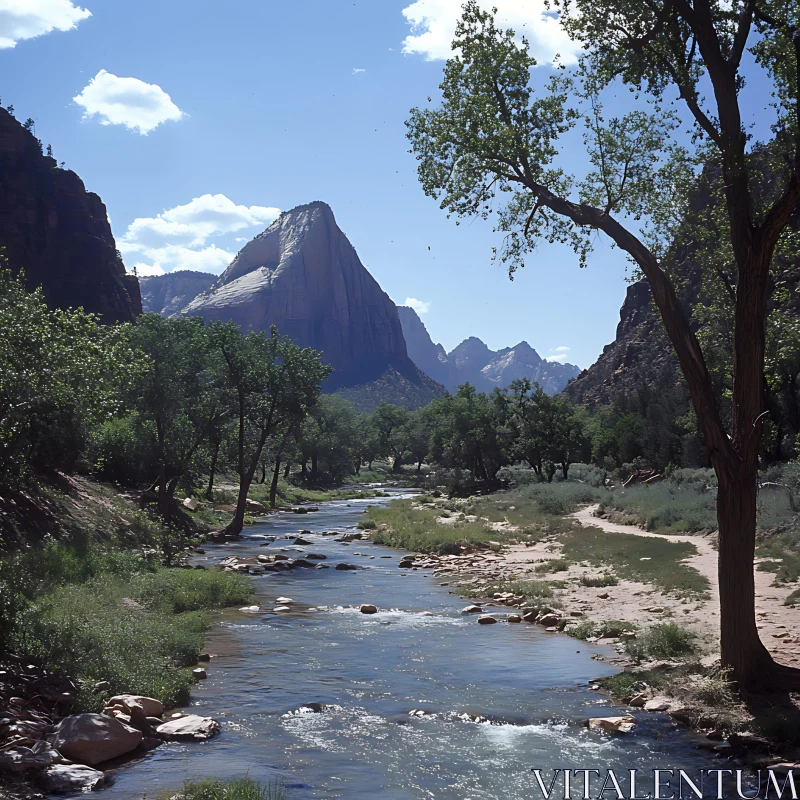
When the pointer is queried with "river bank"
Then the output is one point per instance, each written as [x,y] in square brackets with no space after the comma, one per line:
[497,700]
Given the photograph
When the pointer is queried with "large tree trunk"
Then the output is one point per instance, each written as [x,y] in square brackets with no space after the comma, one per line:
[273,487]
[741,647]
[212,474]
[398,462]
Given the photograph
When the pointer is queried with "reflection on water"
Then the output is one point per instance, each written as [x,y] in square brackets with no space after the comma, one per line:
[530,686]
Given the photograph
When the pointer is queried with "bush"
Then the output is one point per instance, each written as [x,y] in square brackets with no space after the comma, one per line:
[602,630]
[552,565]
[124,450]
[666,640]
[606,579]
[242,789]
[176,591]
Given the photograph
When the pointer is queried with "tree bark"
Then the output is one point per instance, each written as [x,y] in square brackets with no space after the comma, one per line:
[212,473]
[398,462]
[273,488]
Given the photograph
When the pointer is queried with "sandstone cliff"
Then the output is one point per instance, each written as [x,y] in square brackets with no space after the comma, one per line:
[57,232]
[169,294]
[473,362]
[303,275]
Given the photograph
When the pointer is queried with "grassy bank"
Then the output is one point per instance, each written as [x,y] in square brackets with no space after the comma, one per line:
[95,602]
[241,789]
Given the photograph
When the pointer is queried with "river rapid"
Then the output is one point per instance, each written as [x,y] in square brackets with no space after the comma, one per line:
[417,652]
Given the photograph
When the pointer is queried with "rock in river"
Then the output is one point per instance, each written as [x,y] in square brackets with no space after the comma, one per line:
[189,728]
[486,619]
[346,566]
[66,778]
[94,738]
[472,610]
[368,608]
[135,703]
[624,724]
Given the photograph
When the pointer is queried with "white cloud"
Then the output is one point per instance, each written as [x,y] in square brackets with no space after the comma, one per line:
[433,25]
[26,19]
[145,270]
[126,101]
[420,306]
[178,237]
[560,353]
[357,70]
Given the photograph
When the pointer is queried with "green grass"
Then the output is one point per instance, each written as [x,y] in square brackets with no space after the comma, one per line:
[611,628]
[528,590]
[624,553]
[241,789]
[666,640]
[599,581]
[405,527]
[552,565]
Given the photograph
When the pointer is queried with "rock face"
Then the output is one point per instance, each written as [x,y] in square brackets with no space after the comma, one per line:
[58,233]
[169,294]
[472,361]
[303,275]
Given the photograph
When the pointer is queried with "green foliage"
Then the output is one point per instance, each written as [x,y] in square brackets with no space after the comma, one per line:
[666,640]
[607,629]
[599,581]
[213,789]
[60,372]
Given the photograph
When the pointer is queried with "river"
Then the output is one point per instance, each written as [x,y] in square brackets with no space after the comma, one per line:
[372,670]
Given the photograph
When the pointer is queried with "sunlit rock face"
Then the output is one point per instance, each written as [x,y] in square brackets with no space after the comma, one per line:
[303,275]
[58,233]
[169,294]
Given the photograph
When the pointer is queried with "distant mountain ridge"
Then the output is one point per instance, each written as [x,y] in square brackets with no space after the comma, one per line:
[59,233]
[303,275]
[474,362]
[169,294]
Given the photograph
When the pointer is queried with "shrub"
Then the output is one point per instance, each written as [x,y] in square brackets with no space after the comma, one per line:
[665,640]
[606,579]
[553,565]
[602,630]
[242,789]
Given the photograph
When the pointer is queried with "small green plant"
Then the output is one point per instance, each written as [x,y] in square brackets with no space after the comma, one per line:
[611,628]
[552,565]
[666,640]
[599,581]
[241,789]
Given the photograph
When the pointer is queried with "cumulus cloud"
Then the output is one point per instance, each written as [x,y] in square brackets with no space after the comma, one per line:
[178,237]
[26,19]
[420,306]
[433,25]
[126,101]
[146,270]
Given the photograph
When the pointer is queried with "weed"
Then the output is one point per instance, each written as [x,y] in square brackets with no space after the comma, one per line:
[665,640]
[605,579]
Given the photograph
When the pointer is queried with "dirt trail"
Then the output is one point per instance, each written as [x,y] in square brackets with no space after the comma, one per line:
[779,625]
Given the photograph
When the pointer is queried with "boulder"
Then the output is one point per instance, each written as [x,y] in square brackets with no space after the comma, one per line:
[300,540]
[472,610]
[67,778]
[367,608]
[200,674]
[624,724]
[190,503]
[255,507]
[283,601]
[316,557]
[548,620]
[486,619]
[638,700]
[513,618]
[658,704]
[94,738]
[191,728]
[137,704]
[346,566]
[20,759]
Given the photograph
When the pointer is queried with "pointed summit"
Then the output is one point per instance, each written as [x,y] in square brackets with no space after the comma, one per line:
[303,275]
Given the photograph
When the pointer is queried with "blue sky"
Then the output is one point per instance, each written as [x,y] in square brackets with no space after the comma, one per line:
[267,105]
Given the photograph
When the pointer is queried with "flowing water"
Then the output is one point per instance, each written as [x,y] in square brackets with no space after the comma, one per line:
[532,686]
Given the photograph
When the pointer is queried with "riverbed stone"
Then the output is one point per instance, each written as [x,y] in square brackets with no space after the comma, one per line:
[368,608]
[94,738]
[513,618]
[199,674]
[191,727]
[66,778]
[345,566]
[472,610]
[137,704]
[486,619]
[659,703]
[623,724]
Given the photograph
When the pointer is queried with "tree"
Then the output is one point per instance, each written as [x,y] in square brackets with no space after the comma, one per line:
[418,437]
[329,439]
[181,392]
[390,423]
[61,373]
[492,138]
[274,383]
